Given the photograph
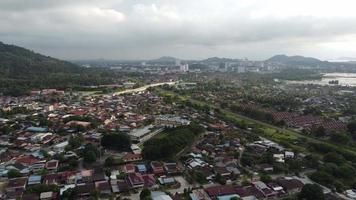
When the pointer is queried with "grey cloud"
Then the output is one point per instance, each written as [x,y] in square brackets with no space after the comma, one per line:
[147,29]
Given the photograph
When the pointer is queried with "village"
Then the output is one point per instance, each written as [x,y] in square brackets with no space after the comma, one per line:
[60,145]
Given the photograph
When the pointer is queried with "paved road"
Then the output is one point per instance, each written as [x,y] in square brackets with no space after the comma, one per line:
[147,137]
[143,88]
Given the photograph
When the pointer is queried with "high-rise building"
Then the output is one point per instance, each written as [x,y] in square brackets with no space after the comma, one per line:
[184,67]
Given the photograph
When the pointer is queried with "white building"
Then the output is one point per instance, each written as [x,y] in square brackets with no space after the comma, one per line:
[184,68]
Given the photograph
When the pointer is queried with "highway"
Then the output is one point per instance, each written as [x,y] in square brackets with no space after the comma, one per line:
[143,88]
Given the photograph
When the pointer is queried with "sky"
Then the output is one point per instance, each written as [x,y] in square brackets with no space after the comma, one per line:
[187,29]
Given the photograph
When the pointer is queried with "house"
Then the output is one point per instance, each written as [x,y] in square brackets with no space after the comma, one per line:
[48,196]
[135,180]
[78,123]
[265,190]
[130,157]
[288,154]
[290,185]
[157,168]
[84,176]
[84,190]
[52,165]
[160,196]
[199,194]
[103,187]
[149,181]
[29,197]
[118,186]
[222,171]
[60,146]
[249,192]
[278,158]
[164,180]
[222,190]
[98,174]
[277,188]
[172,168]
[37,166]
[141,168]
[128,168]
[34,180]
[16,184]
[36,129]
[266,167]
[27,160]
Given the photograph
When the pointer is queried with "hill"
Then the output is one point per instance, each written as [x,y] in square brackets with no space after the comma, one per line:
[294,60]
[22,70]
[164,60]
[18,62]
[219,60]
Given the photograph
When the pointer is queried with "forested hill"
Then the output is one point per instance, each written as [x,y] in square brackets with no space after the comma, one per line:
[22,69]
[19,62]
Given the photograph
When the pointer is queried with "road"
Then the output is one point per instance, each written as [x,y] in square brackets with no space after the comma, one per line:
[143,88]
[147,137]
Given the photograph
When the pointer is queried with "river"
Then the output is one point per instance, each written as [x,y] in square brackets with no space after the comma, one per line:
[345,79]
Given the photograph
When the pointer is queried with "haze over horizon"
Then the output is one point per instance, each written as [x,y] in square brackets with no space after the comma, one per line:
[137,29]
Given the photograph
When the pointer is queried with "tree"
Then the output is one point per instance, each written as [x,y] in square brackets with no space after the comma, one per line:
[219,179]
[109,161]
[13,173]
[351,127]
[145,193]
[311,192]
[89,157]
[334,157]
[116,141]
[266,178]
[340,138]
[322,177]
[319,131]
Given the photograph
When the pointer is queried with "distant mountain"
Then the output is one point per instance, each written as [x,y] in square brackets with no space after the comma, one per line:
[294,60]
[22,69]
[168,60]
[219,60]
[344,59]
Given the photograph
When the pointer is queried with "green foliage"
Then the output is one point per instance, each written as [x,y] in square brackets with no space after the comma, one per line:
[341,138]
[334,158]
[311,192]
[75,142]
[38,189]
[111,161]
[322,178]
[145,193]
[13,173]
[22,70]
[219,179]
[90,153]
[175,140]
[116,141]
[266,178]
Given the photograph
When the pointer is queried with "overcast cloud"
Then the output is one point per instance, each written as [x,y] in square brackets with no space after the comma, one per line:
[189,29]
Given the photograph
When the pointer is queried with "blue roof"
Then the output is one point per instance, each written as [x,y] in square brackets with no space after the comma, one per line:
[36,129]
[34,178]
[141,168]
